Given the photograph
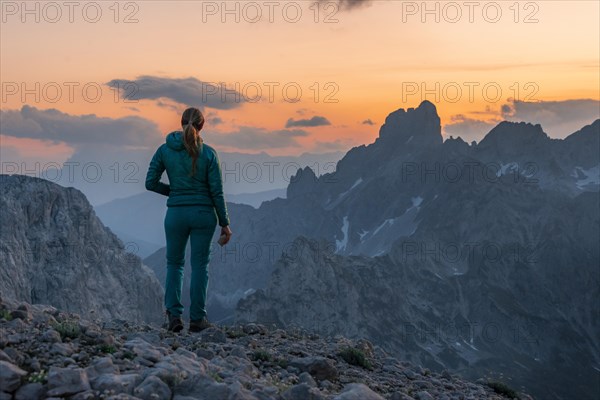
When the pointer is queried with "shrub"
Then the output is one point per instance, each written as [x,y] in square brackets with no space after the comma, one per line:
[107,348]
[38,377]
[5,314]
[261,355]
[355,357]
[503,389]
[68,329]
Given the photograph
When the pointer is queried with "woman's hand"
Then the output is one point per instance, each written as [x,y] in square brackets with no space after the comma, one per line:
[226,230]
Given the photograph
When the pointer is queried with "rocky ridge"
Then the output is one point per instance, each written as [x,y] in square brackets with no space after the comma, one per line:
[54,250]
[49,353]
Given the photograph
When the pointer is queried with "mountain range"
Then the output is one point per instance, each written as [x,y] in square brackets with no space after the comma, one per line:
[498,238]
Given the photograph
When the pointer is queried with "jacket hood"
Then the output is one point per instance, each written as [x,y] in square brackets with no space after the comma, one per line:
[175,140]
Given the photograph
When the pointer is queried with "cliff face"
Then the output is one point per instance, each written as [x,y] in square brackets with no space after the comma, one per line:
[54,250]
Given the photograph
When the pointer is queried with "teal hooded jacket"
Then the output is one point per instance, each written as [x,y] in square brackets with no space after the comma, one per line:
[204,188]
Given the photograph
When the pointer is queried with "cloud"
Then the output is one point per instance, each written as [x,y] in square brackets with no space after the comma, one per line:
[314,121]
[468,129]
[350,4]
[171,106]
[215,120]
[104,157]
[78,130]
[212,118]
[187,91]
[368,122]
[558,118]
[249,137]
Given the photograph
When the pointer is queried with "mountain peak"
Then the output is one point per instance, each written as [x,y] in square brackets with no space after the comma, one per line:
[302,182]
[428,106]
[418,127]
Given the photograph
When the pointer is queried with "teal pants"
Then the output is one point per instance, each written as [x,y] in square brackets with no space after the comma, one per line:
[198,223]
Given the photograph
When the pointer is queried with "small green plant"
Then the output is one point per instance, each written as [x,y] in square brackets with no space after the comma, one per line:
[503,389]
[261,355]
[282,362]
[215,375]
[68,329]
[128,355]
[107,348]
[38,377]
[173,380]
[234,333]
[355,357]
[282,387]
[5,314]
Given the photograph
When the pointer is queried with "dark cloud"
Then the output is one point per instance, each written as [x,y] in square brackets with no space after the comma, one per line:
[558,118]
[350,4]
[368,122]
[215,120]
[187,91]
[77,130]
[249,137]
[468,129]
[212,118]
[175,107]
[314,121]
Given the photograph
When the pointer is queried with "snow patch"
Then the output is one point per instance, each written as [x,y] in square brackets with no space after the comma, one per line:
[470,344]
[506,168]
[416,201]
[341,244]
[590,176]
[358,182]
[384,223]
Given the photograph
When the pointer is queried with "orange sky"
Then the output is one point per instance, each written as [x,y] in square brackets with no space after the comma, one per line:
[372,54]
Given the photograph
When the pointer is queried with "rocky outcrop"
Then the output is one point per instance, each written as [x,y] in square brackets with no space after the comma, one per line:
[418,127]
[46,352]
[54,250]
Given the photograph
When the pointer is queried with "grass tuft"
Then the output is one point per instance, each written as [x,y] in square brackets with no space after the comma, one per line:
[355,357]
[503,389]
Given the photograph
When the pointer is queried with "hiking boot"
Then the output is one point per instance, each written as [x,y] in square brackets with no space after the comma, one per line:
[175,323]
[200,325]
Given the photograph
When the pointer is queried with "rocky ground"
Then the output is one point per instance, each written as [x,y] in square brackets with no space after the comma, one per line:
[47,353]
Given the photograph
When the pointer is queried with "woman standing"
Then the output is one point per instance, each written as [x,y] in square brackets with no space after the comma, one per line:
[196,204]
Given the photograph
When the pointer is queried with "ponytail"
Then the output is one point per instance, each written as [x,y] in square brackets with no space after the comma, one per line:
[192,121]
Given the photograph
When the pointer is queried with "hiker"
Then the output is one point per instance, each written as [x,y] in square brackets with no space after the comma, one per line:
[196,204]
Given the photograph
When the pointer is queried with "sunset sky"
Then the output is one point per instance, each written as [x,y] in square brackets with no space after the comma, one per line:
[370,58]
